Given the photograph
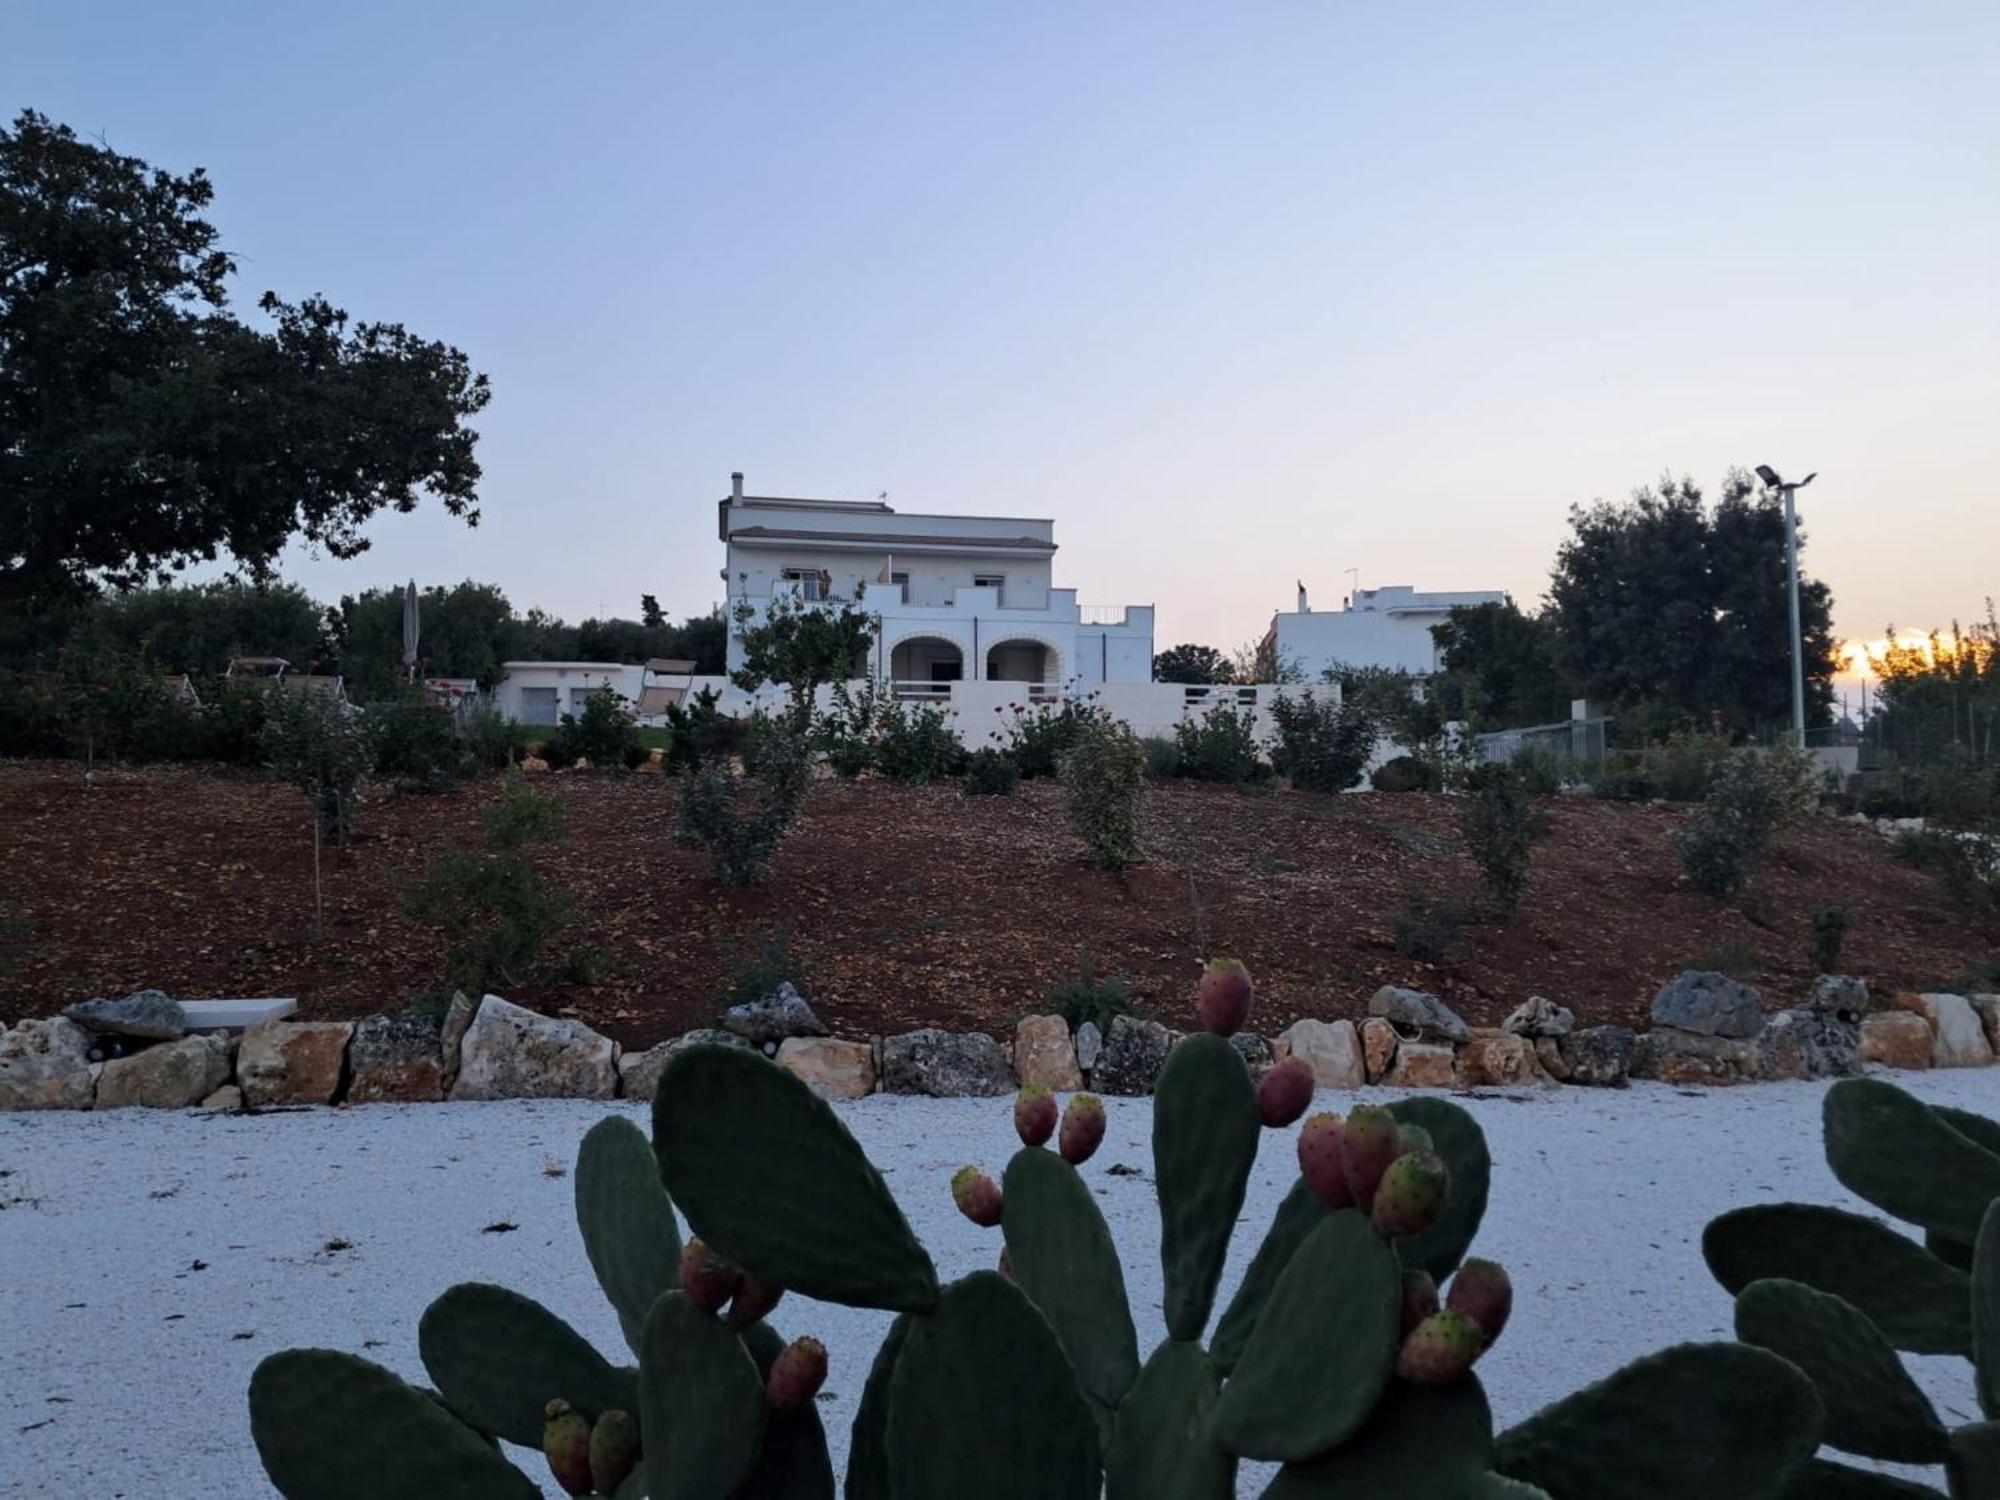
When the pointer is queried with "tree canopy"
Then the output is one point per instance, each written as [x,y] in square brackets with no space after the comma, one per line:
[1506,659]
[800,645]
[1192,664]
[143,427]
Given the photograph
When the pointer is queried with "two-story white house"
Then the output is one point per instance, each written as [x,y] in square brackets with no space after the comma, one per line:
[1385,627]
[961,598]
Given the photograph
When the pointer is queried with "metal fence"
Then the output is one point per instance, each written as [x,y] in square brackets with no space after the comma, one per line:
[1577,743]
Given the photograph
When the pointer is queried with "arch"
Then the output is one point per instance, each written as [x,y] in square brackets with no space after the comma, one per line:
[926,656]
[1021,656]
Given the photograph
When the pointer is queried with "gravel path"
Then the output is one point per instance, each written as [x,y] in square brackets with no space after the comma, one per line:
[148,1261]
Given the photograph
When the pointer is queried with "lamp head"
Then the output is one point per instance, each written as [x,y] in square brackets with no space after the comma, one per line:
[1769,475]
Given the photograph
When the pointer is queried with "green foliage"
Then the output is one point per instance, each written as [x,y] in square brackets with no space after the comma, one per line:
[200,628]
[1322,746]
[30,716]
[1089,995]
[1753,795]
[1221,745]
[1104,778]
[700,733]
[801,644]
[415,739]
[1426,927]
[916,744]
[602,734]
[1039,735]
[1163,756]
[1938,702]
[1192,664]
[991,773]
[490,741]
[1830,926]
[740,819]
[757,977]
[1965,866]
[1732,956]
[1497,822]
[321,745]
[1510,657]
[847,732]
[1405,773]
[1542,771]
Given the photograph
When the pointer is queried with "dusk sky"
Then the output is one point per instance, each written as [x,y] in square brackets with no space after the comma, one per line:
[1238,294]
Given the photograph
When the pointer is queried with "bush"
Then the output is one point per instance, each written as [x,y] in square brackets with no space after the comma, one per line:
[30,717]
[233,714]
[847,732]
[1625,777]
[1497,820]
[758,976]
[1038,735]
[1830,926]
[1966,867]
[1322,746]
[490,741]
[1221,745]
[416,739]
[1687,765]
[1406,773]
[1090,996]
[741,820]
[1732,956]
[321,745]
[916,744]
[1960,795]
[1163,756]
[700,734]
[1754,795]
[1103,777]
[1542,771]
[991,773]
[1426,928]
[601,734]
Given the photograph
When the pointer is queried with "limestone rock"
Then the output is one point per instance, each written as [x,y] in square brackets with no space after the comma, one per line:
[779,1015]
[1988,1007]
[1332,1049]
[1089,1045]
[396,1058]
[224,1101]
[1896,1039]
[1840,994]
[1548,1055]
[150,1015]
[1495,1059]
[1692,1057]
[1413,1011]
[45,1064]
[1709,1004]
[639,1072]
[831,1068]
[1599,1056]
[1257,1053]
[292,1062]
[1378,1048]
[1422,1065]
[945,1064]
[1132,1058]
[1045,1055]
[451,1040]
[1958,1036]
[172,1075]
[511,1052]
[1809,1043]
[1539,1016]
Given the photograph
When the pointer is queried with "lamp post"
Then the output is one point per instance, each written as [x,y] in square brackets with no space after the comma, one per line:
[1790,490]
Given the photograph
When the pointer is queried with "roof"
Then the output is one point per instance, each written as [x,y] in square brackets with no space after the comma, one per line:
[885,539]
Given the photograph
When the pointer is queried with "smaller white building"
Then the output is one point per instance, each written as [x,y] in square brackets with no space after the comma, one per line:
[1389,627]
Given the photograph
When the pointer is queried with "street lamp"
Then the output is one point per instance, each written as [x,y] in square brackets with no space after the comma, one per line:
[1771,480]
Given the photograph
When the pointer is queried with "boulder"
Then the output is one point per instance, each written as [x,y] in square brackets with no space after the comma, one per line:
[45,1064]
[397,1058]
[777,1017]
[451,1040]
[1495,1059]
[945,1064]
[1257,1054]
[1896,1039]
[1089,1045]
[1839,994]
[1988,1007]
[292,1062]
[1538,1016]
[1132,1058]
[1692,1057]
[1549,1057]
[1045,1055]
[831,1068]
[1415,1012]
[225,1100]
[1958,1036]
[511,1052]
[172,1075]
[639,1072]
[1599,1056]
[1809,1043]
[1378,1048]
[1709,1004]
[1422,1065]
[1332,1049]
[150,1015]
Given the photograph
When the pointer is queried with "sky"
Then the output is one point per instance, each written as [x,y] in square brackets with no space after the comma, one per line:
[1240,294]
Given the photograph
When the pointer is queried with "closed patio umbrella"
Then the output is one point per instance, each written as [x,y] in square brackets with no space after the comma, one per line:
[410,629]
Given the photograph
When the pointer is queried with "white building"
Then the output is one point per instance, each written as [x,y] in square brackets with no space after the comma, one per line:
[1386,627]
[961,598]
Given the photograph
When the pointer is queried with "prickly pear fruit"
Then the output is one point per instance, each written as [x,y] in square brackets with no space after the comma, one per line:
[1410,1197]
[707,1278]
[1420,1298]
[566,1445]
[1035,1114]
[1224,996]
[753,1302]
[1442,1347]
[614,1450]
[1483,1293]
[1413,1138]
[1082,1129]
[977,1196]
[1319,1160]
[1368,1144]
[1285,1093]
[796,1374]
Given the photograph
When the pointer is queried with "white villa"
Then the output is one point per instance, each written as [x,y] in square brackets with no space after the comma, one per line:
[1385,627]
[961,598]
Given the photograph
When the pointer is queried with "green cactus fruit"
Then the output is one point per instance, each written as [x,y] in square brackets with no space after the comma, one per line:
[1082,1129]
[1420,1299]
[1483,1293]
[1320,1160]
[1368,1143]
[796,1374]
[1442,1347]
[1285,1093]
[708,1279]
[977,1196]
[566,1445]
[1413,1138]
[1035,1115]
[752,1303]
[1223,997]
[1410,1197]
[614,1450]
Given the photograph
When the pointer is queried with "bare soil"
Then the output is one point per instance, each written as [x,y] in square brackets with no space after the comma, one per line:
[917,906]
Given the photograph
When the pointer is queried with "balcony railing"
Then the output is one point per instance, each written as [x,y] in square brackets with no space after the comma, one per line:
[922,690]
[1101,614]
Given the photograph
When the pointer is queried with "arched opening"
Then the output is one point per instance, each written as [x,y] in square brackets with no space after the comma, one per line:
[925,666]
[1022,661]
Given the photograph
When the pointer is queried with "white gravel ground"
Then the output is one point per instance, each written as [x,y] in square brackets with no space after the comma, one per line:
[148,1260]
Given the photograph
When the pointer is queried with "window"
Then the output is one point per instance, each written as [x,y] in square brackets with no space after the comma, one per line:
[809,580]
[900,582]
[994,581]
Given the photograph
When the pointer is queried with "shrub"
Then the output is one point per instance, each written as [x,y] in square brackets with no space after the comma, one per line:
[1038,735]
[30,716]
[847,732]
[1104,776]
[1497,820]
[741,819]
[1958,794]
[1830,926]
[490,741]
[1322,746]
[116,705]
[1625,777]
[1542,771]
[233,714]
[415,739]
[1426,928]
[1221,745]
[1163,756]
[916,744]
[1966,867]
[1089,995]
[700,734]
[1754,795]
[1686,765]
[1406,773]
[500,916]
[758,976]
[991,773]
[1732,956]
[601,734]
[321,745]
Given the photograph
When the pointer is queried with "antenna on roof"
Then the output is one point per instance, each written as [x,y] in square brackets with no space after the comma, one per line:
[883,496]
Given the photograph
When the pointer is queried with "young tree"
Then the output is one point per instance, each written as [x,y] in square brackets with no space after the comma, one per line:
[1192,664]
[143,427]
[650,615]
[801,644]
[320,745]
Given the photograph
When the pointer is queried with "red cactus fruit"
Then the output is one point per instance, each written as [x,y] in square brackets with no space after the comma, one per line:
[1285,1093]
[1035,1115]
[1223,996]
[566,1445]
[796,1374]
[1320,1160]
[1411,1195]
[1442,1347]
[977,1196]
[1368,1144]
[614,1450]
[707,1278]
[1082,1129]
[1483,1293]
[1420,1298]
[753,1302]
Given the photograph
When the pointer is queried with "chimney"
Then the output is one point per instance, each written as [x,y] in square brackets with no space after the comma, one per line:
[736,486]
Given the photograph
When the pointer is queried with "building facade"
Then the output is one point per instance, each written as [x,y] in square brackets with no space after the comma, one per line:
[1387,627]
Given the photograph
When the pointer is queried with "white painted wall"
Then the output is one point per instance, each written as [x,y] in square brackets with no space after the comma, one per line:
[1387,627]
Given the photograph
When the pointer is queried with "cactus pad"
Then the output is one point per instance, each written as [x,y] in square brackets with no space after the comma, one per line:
[1205,1132]
[1822,1479]
[701,1404]
[794,1464]
[1908,1159]
[1457,1138]
[1161,1449]
[627,1221]
[499,1358]
[1423,1442]
[1300,1212]
[868,1439]
[1986,1313]
[1064,1259]
[1973,1466]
